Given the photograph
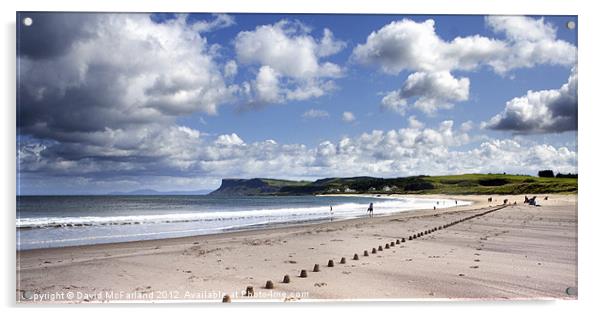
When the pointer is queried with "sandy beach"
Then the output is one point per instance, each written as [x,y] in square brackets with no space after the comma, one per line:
[516,252]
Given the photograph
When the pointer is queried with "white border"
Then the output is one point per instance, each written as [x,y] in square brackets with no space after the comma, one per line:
[589,131]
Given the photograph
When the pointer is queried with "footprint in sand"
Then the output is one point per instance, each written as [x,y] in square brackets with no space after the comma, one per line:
[474,267]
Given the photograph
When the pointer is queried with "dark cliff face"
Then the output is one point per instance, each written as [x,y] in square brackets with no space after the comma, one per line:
[244,187]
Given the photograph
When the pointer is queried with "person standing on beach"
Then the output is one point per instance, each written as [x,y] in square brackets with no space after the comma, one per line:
[331,214]
[371,210]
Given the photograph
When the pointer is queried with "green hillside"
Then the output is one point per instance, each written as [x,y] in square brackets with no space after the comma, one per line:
[454,184]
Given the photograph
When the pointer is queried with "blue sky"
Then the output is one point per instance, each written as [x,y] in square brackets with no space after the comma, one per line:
[359,90]
[176,102]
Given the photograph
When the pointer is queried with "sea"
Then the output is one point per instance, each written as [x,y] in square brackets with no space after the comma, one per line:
[60,221]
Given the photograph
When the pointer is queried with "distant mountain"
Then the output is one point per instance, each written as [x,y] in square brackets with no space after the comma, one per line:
[155,192]
[452,184]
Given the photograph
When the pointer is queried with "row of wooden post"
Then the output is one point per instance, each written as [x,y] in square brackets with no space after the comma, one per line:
[303,274]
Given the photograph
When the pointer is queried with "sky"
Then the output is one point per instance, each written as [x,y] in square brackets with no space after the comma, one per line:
[119,102]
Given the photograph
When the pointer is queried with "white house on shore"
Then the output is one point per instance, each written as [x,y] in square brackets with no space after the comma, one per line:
[387,188]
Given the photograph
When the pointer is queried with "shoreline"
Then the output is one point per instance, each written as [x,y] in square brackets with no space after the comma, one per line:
[285,224]
[228,262]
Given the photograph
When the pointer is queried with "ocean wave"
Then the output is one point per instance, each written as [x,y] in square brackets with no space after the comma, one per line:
[346,210]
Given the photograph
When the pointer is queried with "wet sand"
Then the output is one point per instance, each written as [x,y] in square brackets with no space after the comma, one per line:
[516,252]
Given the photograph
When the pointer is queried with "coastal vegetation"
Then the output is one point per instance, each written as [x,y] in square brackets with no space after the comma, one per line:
[422,184]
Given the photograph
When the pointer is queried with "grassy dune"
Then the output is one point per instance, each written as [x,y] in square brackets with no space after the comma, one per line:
[500,184]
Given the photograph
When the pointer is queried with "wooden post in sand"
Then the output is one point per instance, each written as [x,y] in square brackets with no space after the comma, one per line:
[356,257]
[373,250]
[380,248]
[286,279]
[343,261]
[226,299]
[365,253]
[330,263]
[387,246]
[249,291]
[303,274]
[269,284]
[398,241]
[316,267]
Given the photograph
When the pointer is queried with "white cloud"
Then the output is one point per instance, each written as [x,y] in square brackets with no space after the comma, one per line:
[430,92]
[230,69]
[229,140]
[313,113]
[414,46]
[407,45]
[414,123]
[545,111]
[530,42]
[329,45]
[348,117]
[103,117]
[163,69]
[267,85]
[294,55]
[466,126]
[408,151]
[220,21]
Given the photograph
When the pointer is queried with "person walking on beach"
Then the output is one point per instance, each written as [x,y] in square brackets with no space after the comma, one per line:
[331,214]
[371,210]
